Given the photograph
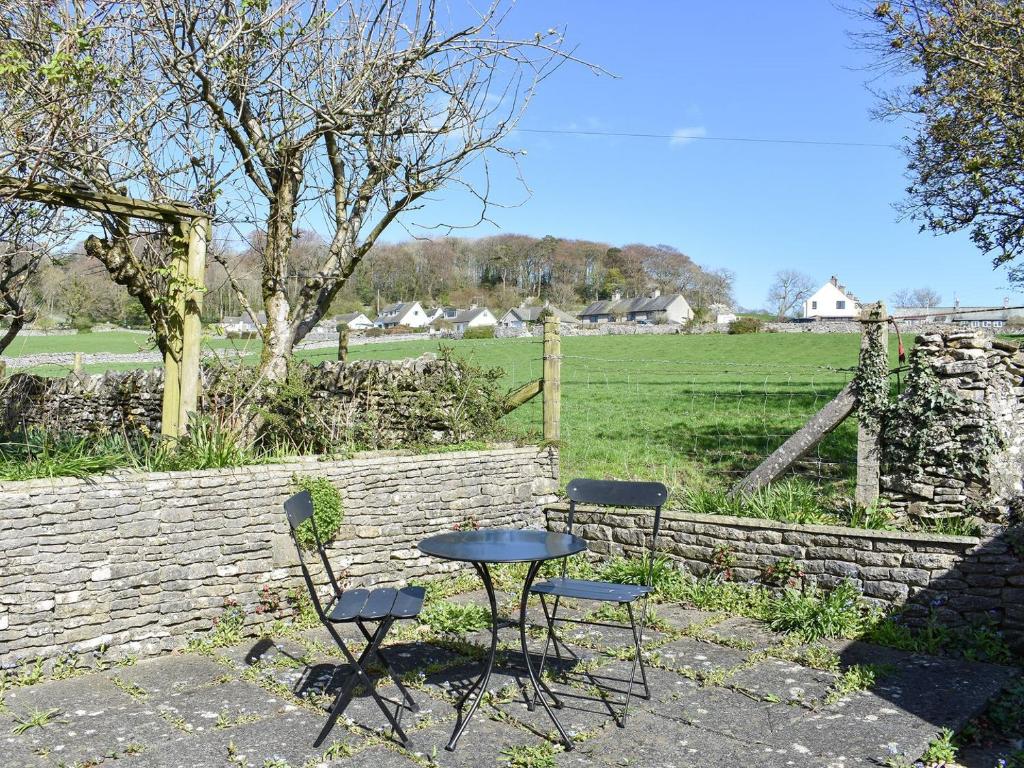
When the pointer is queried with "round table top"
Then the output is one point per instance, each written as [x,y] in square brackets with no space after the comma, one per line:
[502,545]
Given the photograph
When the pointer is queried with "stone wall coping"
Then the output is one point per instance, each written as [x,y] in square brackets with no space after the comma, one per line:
[295,463]
[756,522]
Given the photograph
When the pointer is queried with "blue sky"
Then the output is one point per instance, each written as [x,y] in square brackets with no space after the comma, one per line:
[746,69]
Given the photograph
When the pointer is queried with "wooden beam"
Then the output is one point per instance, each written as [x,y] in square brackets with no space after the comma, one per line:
[820,425]
[96,201]
[523,395]
[552,382]
[192,324]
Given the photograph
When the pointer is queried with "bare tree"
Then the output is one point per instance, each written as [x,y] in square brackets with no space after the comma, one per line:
[341,114]
[788,290]
[917,297]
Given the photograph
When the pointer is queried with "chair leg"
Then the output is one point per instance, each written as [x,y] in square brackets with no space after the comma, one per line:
[412,705]
[359,675]
[637,658]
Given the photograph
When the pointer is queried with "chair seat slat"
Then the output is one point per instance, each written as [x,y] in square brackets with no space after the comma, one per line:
[349,606]
[581,589]
[408,602]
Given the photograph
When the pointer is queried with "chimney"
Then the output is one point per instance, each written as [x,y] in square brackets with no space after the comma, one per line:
[473,305]
[617,296]
[655,293]
[1006,302]
[835,281]
[956,302]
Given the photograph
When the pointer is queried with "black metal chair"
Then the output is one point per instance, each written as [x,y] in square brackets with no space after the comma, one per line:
[382,606]
[606,493]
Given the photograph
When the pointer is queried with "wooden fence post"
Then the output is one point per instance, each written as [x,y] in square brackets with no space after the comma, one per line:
[552,382]
[343,344]
[191,321]
[872,383]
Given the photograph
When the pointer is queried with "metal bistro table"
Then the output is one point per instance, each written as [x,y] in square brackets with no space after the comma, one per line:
[499,545]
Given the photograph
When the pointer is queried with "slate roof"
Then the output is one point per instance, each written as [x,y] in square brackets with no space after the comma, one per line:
[627,306]
[467,315]
[531,314]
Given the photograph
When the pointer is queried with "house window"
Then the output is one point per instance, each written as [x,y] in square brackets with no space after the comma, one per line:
[814,305]
[840,305]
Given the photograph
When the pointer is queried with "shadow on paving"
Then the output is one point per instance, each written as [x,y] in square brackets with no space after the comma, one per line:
[262,703]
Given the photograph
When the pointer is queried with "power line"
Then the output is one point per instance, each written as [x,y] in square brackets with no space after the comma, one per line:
[683,137]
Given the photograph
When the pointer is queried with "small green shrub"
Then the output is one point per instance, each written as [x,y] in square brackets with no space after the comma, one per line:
[479,332]
[746,325]
[951,526]
[328,512]
[667,580]
[941,750]
[812,615]
[447,618]
[530,756]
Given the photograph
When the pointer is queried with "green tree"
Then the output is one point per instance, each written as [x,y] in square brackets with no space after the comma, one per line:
[962,67]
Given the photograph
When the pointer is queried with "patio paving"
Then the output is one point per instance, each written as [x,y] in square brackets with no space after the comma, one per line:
[724,693]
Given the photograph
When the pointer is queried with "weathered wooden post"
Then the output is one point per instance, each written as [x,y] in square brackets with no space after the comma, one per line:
[872,387]
[191,305]
[552,382]
[77,365]
[343,342]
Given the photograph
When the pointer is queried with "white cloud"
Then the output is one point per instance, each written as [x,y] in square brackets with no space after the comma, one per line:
[681,136]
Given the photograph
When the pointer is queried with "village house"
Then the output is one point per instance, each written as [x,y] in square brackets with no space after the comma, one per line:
[407,313]
[525,315]
[354,321]
[972,317]
[832,302]
[671,308]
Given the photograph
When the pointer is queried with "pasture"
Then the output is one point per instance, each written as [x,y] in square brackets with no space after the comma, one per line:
[687,410]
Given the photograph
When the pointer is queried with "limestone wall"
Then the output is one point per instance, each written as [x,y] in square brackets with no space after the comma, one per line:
[138,562]
[957,578]
[953,443]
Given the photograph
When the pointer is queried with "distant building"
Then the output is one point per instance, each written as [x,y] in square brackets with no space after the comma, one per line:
[474,317]
[237,324]
[408,313]
[525,315]
[721,314]
[672,308]
[972,317]
[355,321]
[832,302]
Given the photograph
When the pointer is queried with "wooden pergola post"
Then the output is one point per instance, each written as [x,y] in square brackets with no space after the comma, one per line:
[193,230]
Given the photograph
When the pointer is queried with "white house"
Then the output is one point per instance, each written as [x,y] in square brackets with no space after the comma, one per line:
[526,315]
[409,314]
[832,302]
[356,321]
[672,308]
[972,317]
[474,317]
[721,314]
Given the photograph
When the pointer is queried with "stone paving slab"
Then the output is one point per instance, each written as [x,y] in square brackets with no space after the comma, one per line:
[712,705]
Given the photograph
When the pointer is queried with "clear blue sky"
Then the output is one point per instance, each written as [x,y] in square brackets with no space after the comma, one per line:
[745,69]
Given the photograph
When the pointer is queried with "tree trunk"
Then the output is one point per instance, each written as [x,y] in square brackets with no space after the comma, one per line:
[279,332]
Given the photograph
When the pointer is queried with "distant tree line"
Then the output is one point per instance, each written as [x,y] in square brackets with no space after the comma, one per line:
[500,271]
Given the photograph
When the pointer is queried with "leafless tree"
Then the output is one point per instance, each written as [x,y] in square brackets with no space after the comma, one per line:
[917,297]
[789,289]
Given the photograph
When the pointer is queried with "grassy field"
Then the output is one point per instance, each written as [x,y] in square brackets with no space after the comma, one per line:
[688,410]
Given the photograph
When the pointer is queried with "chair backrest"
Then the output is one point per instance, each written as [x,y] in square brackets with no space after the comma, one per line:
[624,494]
[299,509]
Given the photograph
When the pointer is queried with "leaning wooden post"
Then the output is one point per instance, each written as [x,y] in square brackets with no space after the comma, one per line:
[872,393]
[192,324]
[343,342]
[552,382]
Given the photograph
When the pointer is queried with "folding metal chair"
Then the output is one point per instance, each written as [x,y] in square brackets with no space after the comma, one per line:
[623,495]
[383,607]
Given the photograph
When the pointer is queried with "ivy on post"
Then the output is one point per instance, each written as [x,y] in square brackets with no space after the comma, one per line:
[552,382]
[872,390]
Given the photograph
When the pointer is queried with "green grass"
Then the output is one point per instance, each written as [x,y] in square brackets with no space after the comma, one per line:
[691,411]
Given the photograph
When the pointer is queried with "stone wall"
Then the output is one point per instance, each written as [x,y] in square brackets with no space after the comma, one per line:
[373,403]
[138,562]
[959,579]
[954,441]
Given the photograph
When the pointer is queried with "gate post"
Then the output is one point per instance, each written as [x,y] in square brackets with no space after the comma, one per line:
[552,381]
[872,392]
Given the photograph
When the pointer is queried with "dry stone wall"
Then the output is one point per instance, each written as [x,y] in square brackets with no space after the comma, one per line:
[375,403]
[956,579]
[953,444]
[139,562]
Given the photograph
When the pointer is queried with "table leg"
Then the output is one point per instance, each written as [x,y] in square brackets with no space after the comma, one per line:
[481,683]
[530,576]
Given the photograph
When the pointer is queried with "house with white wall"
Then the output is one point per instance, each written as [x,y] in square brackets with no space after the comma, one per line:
[407,313]
[526,315]
[355,321]
[474,317]
[671,308]
[832,302]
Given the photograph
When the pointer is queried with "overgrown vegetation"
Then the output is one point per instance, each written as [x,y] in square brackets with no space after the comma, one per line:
[328,511]
[447,618]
